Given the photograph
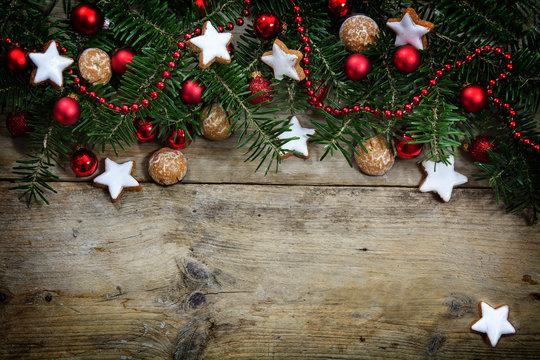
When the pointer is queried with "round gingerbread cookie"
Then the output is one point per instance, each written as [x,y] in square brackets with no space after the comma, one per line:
[357,32]
[216,123]
[379,158]
[167,166]
[95,66]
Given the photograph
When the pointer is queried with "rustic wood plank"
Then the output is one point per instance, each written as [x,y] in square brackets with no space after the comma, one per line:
[222,162]
[247,271]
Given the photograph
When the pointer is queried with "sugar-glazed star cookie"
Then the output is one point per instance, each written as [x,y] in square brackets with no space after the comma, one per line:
[494,322]
[441,178]
[117,177]
[299,145]
[211,46]
[410,29]
[49,66]
[284,61]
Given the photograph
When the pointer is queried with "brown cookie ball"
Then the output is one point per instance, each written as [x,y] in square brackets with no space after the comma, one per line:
[95,66]
[379,158]
[216,124]
[357,32]
[167,166]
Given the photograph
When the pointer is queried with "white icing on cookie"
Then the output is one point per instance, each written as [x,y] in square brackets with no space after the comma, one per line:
[117,177]
[300,144]
[49,65]
[282,62]
[441,178]
[408,32]
[212,44]
[494,322]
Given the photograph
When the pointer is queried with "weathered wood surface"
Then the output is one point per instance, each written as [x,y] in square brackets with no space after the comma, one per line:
[248,271]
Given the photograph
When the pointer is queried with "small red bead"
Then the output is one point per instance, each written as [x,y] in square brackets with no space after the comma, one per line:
[220,28]
[307,49]
[328,109]
[245,12]
[489,92]
[181,45]
[356,108]
[117,108]
[512,125]
[305,39]
[399,114]
[166,75]
[308,84]
[517,135]
[307,72]
[438,73]
[145,102]
[387,113]
[336,112]
[376,112]
[506,107]
[313,100]
[510,67]
[76,81]
[492,82]
[300,29]
[230,26]
[176,55]
[197,31]
[502,76]
[63,49]
[468,58]
[310,93]
[71,71]
[498,50]
[345,111]
[408,108]
[154,95]
[458,64]
[477,51]
[110,106]
[497,101]
[296,9]
[92,94]
[171,64]
[298,19]
[8,41]
[507,56]
[424,92]
[160,85]
[367,109]
[102,101]
[240,22]
[512,113]
[447,67]
[187,36]
[134,107]
[319,104]
[487,48]
[527,142]
[432,82]
[82,88]
[416,100]
[305,61]
[536,147]
[125,109]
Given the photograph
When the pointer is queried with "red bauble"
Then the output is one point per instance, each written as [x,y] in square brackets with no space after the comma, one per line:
[407,59]
[83,162]
[191,91]
[67,111]
[17,125]
[404,149]
[266,25]
[477,148]
[177,139]
[145,129]
[86,19]
[16,60]
[120,59]
[338,8]
[259,83]
[473,98]
[357,67]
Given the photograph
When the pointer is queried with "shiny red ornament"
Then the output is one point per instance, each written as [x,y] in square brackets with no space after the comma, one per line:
[357,67]
[259,83]
[120,60]
[67,111]
[191,91]
[145,130]
[473,98]
[338,8]
[83,162]
[266,25]
[406,150]
[179,140]
[16,60]
[407,59]
[17,124]
[86,19]
[477,148]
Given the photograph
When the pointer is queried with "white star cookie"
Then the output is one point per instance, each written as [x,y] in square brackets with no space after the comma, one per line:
[49,66]
[299,145]
[494,322]
[117,177]
[410,29]
[441,178]
[284,61]
[211,46]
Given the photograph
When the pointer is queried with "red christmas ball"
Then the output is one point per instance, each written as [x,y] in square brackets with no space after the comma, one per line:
[83,162]
[266,25]
[338,8]
[473,98]
[357,67]
[67,111]
[145,129]
[120,59]
[407,59]
[17,125]
[191,91]
[86,19]
[177,139]
[16,60]
[477,148]
[259,83]
[406,150]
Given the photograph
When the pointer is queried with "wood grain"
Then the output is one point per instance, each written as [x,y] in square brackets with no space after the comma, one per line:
[248,271]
